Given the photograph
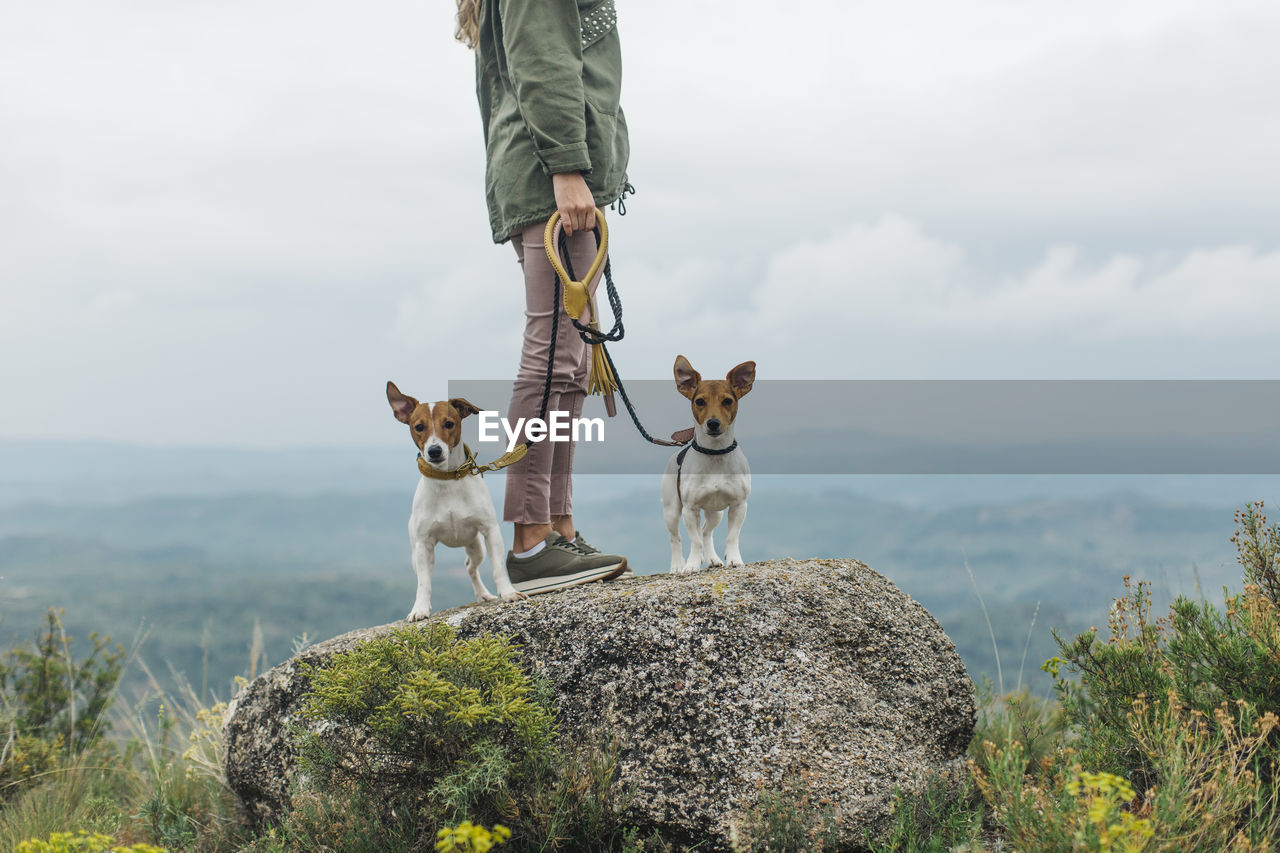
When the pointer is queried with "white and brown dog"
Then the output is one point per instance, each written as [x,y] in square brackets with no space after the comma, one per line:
[453,510]
[715,476]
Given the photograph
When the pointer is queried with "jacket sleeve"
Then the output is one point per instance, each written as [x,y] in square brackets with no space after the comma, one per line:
[543,43]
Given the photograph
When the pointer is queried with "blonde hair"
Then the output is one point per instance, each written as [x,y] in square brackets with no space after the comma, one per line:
[468,31]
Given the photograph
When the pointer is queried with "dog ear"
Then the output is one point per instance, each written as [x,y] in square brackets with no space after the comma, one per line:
[402,404]
[742,378]
[687,378]
[464,406]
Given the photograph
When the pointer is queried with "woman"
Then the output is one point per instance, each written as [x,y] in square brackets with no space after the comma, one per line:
[548,77]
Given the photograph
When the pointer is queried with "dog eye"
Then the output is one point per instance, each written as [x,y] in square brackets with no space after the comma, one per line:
[727,401]
[699,402]
[420,427]
[448,424]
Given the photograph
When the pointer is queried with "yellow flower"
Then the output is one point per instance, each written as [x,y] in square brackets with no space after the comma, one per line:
[82,842]
[1104,794]
[467,837]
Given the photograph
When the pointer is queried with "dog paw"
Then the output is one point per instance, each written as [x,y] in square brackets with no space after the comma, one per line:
[736,563]
[417,614]
[514,595]
[691,567]
[714,561]
[486,596]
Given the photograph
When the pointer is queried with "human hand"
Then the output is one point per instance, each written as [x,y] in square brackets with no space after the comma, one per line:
[574,201]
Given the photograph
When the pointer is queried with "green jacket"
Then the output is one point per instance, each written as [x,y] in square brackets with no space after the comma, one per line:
[548,76]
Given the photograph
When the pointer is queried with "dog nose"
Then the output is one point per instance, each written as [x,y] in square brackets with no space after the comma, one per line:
[434,452]
[713,426]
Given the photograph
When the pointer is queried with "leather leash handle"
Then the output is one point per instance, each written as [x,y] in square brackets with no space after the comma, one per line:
[510,458]
[576,293]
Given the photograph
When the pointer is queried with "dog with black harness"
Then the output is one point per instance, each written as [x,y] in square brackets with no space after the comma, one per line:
[710,475]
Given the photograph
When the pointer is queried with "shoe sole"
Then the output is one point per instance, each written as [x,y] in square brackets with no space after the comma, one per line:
[541,585]
[626,573]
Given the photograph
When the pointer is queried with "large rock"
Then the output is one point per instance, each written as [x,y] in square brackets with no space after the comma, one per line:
[815,672]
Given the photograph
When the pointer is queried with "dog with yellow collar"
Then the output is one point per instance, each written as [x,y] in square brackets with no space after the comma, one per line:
[450,507]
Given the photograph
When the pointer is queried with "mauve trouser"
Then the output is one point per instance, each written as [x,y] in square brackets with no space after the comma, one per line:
[540,486]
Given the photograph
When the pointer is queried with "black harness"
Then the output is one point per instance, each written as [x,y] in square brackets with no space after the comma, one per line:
[684,451]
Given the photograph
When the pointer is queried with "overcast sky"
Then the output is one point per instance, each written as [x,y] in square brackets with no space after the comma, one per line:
[231,222]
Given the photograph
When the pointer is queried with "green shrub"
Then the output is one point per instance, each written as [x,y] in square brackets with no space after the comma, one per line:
[91,792]
[51,705]
[181,799]
[451,723]
[1060,809]
[1172,740]
[1207,795]
[1040,725]
[1258,550]
[340,818]
[786,820]
[941,817]
[71,756]
[428,731]
[1199,654]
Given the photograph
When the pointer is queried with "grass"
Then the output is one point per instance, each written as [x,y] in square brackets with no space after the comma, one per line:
[146,772]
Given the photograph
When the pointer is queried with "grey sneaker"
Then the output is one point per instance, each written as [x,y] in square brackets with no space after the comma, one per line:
[591,549]
[561,564]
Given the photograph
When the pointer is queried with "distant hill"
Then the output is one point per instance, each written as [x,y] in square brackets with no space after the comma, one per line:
[101,472]
[80,473]
[199,571]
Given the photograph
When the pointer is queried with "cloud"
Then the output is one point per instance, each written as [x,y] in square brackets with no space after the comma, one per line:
[891,275]
[1117,127]
[889,284]
[206,203]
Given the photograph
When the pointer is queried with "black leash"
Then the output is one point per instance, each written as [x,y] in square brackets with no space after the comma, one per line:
[588,334]
[594,336]
[551,350]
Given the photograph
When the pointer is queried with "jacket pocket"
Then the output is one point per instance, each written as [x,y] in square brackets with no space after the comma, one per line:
[607,140]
